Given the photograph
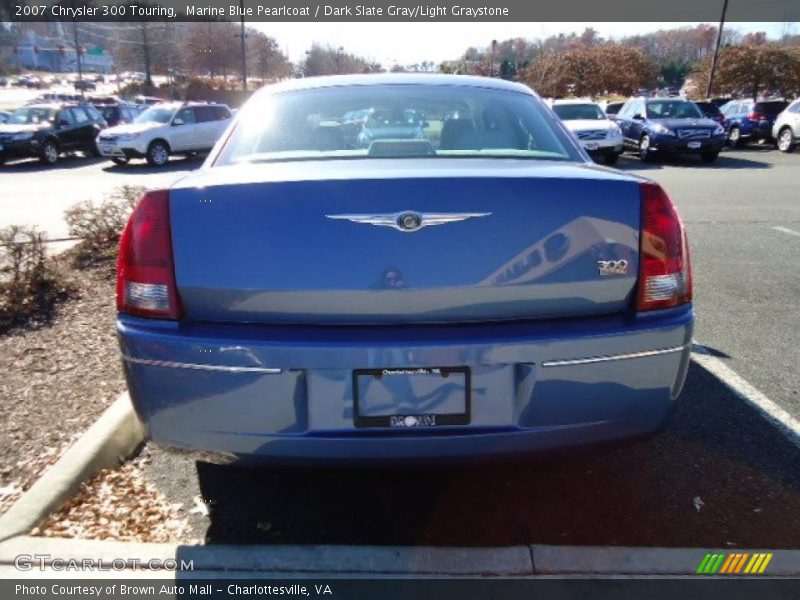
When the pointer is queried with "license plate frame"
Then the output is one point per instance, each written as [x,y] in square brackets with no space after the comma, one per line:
[412,420]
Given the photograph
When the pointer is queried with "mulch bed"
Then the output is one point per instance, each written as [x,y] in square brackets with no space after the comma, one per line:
[57,377]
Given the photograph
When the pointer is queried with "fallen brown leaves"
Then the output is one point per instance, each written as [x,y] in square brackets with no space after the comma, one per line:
[57,378]
[118,504]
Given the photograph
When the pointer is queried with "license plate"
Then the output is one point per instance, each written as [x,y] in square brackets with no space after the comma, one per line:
[107,149]
[694,145]
[405,398]
[592,145]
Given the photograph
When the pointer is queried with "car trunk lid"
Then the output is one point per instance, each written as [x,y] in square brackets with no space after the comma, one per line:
[292,242]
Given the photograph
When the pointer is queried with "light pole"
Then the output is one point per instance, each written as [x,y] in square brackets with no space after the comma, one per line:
[244,53]
[148,79]
[491,66]
[716,49]
[78,54]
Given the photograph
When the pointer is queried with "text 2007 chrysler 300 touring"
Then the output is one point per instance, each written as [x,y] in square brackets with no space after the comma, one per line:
[313,293]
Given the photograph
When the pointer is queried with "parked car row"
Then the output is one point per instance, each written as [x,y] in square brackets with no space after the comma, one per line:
[658,126]
[649,127]
[112,128]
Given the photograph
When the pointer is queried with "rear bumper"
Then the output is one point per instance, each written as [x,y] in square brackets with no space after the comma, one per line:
[112,150]
[286,392]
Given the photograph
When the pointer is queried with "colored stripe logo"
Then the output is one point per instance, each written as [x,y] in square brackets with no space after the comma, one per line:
[734,563]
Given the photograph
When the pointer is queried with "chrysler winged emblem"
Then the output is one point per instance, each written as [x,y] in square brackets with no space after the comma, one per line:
[408,221]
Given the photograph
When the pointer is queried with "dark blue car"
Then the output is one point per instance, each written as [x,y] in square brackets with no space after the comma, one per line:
[750,120]
[655,127]
[483,290]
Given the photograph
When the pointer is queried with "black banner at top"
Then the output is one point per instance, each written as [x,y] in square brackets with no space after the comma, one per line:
[400,10]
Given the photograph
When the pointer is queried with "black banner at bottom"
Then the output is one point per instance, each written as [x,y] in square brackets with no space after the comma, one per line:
[197,588]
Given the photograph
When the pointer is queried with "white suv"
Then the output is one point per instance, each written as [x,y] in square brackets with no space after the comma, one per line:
[599,135]
[786,129]
[164,129]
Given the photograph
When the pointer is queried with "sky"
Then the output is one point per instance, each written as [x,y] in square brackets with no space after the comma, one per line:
[409,43]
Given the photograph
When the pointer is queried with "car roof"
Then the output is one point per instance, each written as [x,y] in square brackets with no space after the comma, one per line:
[663,99]
[574,101]
[178,104]
[53,105]
[307,83]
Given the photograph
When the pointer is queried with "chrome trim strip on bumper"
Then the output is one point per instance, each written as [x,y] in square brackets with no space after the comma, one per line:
[200,367]
[612,357]
[275,371]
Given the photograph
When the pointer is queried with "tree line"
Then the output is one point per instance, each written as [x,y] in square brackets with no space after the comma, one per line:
[577,63]
[587,65]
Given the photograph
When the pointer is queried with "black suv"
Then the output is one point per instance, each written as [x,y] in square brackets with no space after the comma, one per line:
[47,130]
[114,111]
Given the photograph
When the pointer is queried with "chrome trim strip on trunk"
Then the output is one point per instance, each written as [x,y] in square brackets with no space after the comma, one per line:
[612,357]
[201,367]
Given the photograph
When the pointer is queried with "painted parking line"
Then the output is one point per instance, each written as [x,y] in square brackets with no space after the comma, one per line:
[787,230]
[773,413]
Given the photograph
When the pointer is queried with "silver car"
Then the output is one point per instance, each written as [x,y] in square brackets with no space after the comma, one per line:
[786,129]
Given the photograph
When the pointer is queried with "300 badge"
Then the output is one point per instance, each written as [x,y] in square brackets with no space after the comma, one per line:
[612,267]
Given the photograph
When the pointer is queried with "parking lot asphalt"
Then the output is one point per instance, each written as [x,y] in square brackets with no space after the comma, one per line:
[746,272]
[719,476]
[35,194]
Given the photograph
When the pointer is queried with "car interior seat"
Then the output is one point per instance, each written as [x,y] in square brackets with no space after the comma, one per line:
[458,134]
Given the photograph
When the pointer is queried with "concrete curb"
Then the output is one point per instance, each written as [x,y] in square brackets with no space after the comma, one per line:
[379,561]
[109,441]
[398,560]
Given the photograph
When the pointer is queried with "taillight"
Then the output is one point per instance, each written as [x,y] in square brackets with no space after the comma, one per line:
[665,276]
[756,117]
[145,274]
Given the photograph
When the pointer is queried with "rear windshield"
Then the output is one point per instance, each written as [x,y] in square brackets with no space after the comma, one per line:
[770,108]
[708,108]
[404,120]
[109,112]
[574,112]
[157,114]
[32,116]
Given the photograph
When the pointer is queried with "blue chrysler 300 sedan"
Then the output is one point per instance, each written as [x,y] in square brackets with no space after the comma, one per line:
[484,289]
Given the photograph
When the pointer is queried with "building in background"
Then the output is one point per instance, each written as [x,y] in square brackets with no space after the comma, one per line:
[55,53]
